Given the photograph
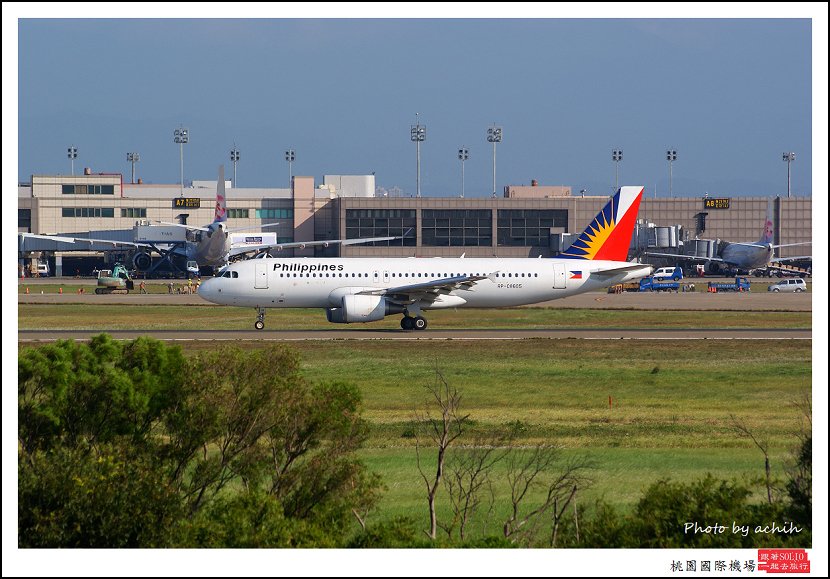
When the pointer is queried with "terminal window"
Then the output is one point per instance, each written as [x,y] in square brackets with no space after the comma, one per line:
[88,212]
[274,213]
[529,227]
[237,214]
[362,223]
[134,212]
[457,227]
[88,189]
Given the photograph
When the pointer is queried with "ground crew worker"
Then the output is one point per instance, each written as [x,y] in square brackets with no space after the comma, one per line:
[142,288]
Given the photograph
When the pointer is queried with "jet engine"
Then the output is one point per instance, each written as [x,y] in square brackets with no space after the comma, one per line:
[142,260]
[360,308]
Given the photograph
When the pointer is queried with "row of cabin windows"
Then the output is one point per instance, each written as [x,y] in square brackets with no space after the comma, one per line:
[426,275]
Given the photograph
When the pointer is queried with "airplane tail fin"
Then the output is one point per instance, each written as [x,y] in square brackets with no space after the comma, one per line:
[769,225]
[608,237]
[221,213]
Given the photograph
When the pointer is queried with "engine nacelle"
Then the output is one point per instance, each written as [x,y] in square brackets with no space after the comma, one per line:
[142,260]
[360,308]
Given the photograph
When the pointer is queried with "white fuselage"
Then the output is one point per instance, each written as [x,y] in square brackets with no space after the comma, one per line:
[746,255]
[322,282]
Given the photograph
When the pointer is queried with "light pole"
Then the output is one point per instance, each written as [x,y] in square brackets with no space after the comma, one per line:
[133,158]
[235,159]
[417,134]
[181,136]
[463,155]
[671,157]
[788,158]
[290,156]
[72,153]
[494,136]
[616,156]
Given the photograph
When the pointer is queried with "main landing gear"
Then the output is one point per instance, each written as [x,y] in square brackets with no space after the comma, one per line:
[260,318]
[416,323]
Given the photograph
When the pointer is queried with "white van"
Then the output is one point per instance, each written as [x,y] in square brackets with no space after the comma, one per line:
[789,285]
[668,273]
[192,269]
[40,270]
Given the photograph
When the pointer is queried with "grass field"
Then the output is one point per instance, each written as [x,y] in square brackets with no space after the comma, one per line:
[670,413]
[184,317]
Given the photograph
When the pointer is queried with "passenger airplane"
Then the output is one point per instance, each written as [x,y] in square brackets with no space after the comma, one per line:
[213,245]
[747,256]
[367,290]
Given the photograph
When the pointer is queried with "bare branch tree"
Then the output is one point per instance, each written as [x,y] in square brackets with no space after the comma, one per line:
[536,470]
[762,445]
[441,431]
[468,474]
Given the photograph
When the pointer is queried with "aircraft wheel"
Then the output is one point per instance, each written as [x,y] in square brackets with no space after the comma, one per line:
[420,323]
[407,323]
[259,324]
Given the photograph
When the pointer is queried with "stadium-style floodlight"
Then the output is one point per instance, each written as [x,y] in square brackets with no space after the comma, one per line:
[417,134]
[181,136]
[671,157]
[494,136]
[463,155]
[72,153]
[788,158]
[616,156]
[133,158]
[235,160]
[290,156]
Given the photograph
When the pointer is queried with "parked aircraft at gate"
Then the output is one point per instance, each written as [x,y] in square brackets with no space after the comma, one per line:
[213,245]
[747,256]
[367,290]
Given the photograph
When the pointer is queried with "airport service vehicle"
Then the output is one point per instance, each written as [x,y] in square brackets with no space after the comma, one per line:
[666,273]
[114,281]
[192,268]
[650,284]
[789,285]
[367,290]
[741,284]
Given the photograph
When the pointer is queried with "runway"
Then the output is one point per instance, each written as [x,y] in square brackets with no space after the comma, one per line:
[426,335]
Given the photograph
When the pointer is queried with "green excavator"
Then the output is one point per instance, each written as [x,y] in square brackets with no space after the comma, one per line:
[114,281]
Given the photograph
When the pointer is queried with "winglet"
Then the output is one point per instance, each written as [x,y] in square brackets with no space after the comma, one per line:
[608,237]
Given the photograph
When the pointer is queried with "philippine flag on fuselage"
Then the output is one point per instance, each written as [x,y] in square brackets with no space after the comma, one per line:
[576,275]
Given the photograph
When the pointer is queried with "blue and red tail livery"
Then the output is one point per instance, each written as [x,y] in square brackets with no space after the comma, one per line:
[608,237]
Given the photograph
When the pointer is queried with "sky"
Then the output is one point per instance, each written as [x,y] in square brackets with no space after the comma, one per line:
[730,96]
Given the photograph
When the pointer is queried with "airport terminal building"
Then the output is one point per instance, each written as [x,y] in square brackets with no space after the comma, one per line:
[528,221]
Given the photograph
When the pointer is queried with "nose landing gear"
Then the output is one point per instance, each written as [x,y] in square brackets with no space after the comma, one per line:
[260,318]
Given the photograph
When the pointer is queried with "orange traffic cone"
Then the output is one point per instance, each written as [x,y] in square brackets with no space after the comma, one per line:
[60,290]
[27,290]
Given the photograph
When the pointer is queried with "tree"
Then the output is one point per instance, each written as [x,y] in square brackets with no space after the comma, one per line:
[442,431]
[537,471]
[468,476]
[140,436]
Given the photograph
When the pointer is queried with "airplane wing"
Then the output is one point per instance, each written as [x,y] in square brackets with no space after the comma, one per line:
[687,257]
[428,291]
[240,249]
[616,270]
[84,240]
[190,227]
